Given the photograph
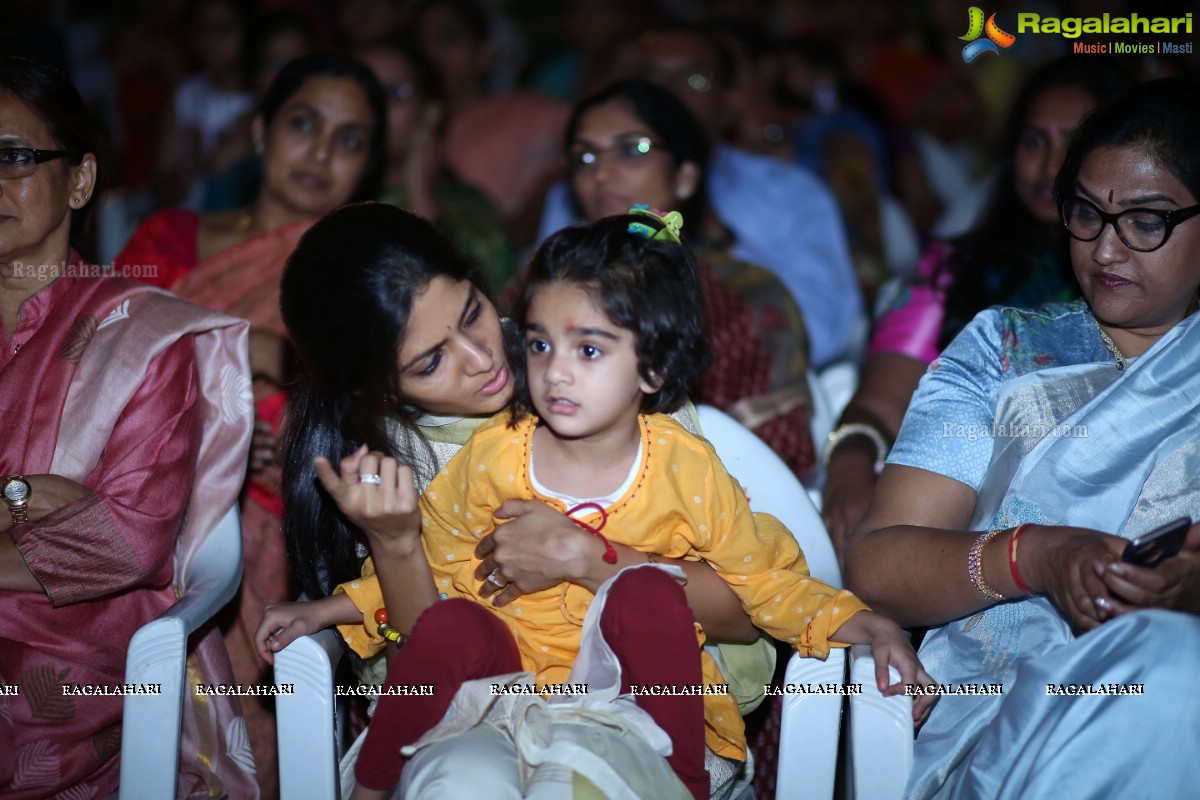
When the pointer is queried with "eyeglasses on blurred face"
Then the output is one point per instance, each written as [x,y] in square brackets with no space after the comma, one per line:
[21,162]
[625,151]
[1141,229]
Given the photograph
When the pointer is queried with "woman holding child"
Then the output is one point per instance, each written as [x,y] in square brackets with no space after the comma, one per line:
[629,288]
[998,543]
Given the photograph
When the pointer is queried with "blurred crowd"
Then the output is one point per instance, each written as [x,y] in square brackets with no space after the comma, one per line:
[873,98]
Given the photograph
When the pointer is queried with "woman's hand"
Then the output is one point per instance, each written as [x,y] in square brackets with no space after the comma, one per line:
[890,647]
[48,493]
[386,511]
[847,494]
[1174,583]
[1065,564]
[538,548]
[284,623]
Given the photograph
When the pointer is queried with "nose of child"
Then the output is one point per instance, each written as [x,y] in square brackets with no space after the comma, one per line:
[556,370]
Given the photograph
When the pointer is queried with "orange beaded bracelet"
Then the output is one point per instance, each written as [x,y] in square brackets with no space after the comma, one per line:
[387,631]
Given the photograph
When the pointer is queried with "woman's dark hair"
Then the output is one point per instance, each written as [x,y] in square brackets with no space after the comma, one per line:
[1162,117]
[346,296]
[991,261]
[49,94]
[672,123]
[648,286]
[335,65]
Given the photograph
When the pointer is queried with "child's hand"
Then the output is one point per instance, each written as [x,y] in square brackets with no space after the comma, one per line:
[284,623]
[376,493]
[890,647]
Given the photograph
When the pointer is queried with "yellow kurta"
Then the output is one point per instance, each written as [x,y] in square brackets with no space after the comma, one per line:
[681,504]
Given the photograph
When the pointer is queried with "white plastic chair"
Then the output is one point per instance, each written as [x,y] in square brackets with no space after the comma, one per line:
[831,390]
[838,382]
[307,719]
[880,735]
[808,736]
[150,728]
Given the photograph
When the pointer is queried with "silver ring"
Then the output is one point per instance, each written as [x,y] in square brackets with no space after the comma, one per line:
[374,480]
[491,578]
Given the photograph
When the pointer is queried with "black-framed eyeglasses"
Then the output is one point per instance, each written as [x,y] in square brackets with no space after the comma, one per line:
[627,151]
[20,162]
[1141,229]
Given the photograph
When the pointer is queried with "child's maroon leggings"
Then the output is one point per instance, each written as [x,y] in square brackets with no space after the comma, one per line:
[646,621]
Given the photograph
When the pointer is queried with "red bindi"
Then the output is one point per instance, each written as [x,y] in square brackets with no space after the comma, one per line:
[1110,194]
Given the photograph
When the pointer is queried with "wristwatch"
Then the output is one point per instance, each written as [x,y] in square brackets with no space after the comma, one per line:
[16,491]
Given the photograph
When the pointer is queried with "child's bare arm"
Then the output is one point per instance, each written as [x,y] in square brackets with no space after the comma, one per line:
[283,623]
[889,646]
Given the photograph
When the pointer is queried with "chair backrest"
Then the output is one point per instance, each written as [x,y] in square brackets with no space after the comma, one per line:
[772,488]
[151,724]
[823,416]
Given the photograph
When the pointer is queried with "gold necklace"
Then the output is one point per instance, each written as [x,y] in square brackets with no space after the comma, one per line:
[1111,346]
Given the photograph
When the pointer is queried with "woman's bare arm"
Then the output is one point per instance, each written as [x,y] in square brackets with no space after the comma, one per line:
[886,386]
[539,548]
[908,557]
[388,514]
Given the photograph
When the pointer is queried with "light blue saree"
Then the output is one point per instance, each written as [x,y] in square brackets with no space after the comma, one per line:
[1028,409]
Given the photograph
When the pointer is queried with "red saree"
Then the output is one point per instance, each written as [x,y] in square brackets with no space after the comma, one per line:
[143,399]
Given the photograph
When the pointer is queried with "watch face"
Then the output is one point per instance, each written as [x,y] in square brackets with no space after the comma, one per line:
[16,491]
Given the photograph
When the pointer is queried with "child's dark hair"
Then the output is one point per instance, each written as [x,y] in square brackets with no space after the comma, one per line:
[648,286]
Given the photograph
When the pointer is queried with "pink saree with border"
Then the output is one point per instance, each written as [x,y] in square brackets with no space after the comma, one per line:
[144,399]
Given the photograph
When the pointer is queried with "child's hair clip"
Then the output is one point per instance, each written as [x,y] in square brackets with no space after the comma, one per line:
[672,224]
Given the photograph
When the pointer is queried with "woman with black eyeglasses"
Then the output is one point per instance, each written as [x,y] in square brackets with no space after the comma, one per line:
[1039,443]
[120,417]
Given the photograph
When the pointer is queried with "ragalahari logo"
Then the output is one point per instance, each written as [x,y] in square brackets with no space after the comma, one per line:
[996,38]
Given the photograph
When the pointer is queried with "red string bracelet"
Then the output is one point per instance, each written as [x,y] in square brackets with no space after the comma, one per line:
[1012,560]
[610,553]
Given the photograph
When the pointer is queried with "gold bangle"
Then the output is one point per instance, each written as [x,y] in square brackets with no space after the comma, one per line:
[975,565]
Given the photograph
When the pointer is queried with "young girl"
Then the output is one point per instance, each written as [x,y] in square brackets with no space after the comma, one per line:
[613,338]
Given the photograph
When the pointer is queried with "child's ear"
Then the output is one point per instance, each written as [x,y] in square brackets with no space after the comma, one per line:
[651,385]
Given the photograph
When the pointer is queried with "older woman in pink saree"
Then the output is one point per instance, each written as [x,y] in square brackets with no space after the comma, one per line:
[125,415]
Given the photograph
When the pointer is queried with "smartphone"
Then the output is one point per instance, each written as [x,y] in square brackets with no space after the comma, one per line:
[1151,549]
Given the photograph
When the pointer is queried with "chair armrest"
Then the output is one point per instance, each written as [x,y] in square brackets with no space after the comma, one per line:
[808,733]
[307,730]
[881,734]
[150,727]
